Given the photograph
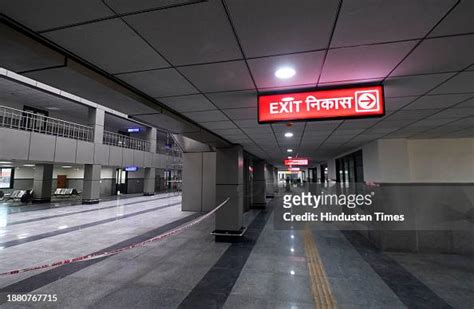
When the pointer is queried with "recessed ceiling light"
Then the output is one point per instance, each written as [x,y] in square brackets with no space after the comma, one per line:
[66,166]
[288,134]
[289,150]
[285,72]
[28,165]
[290,157]
[5,162]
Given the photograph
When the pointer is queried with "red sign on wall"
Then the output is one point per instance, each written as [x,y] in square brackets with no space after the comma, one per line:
[339,103]
[300,162]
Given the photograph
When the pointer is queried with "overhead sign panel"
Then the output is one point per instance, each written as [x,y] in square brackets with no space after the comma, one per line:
[299,162]
[340,103]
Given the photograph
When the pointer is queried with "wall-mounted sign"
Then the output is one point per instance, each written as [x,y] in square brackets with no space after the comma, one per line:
[355,102]
[131,168]
[133,130]
[300,162]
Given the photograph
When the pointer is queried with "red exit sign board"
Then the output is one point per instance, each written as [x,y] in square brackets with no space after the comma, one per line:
[355,102]
[302,162]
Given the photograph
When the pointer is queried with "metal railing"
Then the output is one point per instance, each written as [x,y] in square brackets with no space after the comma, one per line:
[22,120]
[115,139]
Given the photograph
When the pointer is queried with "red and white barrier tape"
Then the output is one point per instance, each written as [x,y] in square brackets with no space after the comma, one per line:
[92,256]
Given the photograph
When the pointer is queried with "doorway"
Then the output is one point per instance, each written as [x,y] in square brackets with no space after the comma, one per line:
[121,180]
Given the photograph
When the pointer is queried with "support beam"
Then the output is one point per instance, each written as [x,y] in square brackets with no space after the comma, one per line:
[43,180]
[259,183]
[91,188]
[229,184]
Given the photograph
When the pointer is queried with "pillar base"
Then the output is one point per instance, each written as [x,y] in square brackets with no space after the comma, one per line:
[229,236]
[88,202]
[148,193]
[39,200]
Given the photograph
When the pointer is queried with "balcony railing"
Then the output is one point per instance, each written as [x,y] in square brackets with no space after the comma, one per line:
[119,140]
[22,120]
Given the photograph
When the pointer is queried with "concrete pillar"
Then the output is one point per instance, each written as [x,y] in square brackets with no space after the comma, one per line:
[42,183]
[199,181]
[248,183]
[259,193]
[150,172]
[269,187]
[91,188]
[229,184]
[149,181]
[96,119]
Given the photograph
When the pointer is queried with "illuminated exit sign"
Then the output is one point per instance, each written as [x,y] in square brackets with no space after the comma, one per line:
[301,162]
[354,102]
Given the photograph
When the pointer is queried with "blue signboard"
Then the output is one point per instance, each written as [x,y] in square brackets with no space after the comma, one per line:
[131,168]
[133,130]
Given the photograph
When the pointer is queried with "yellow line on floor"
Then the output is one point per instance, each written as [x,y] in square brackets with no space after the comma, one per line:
[320,288]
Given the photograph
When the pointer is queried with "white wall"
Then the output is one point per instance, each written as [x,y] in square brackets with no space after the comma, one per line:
[422,160]
[442,160]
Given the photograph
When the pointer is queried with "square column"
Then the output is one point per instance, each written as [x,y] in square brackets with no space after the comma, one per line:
[149,181]
[42,183]
[259,183]
[269,186]
[199,181]
[96,119]
[229,184]
[150,172]
[91,188]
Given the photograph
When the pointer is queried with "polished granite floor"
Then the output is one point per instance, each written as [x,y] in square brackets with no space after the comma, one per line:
[268,269]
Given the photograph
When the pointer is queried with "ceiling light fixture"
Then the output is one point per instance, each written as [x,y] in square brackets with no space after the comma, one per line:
[290,157]
[288,134]
[285,73]
[289,150]
[5,162]
[66,166]
[28,165]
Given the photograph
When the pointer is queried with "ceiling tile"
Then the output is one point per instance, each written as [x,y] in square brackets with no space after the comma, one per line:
[307,67]
[110,44]
[454,113]
[392,104]
[458,21]
[188,103]
[159,83]
[189,34]
[365,22]
[225,76]
[469,103]
[413,85]
[127,6]
[437,101]
[463,82]
[235,99]
[241,113]
[358,62]
[439,55]
[23,55]
[206,116]
[218,125]
[263,25]
[411,114]
[47,14]
[250,123]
